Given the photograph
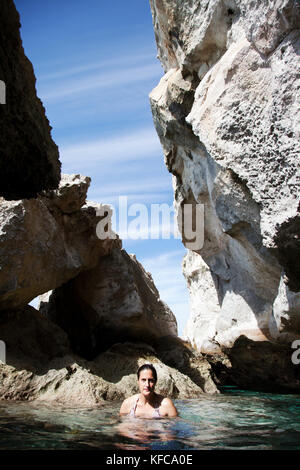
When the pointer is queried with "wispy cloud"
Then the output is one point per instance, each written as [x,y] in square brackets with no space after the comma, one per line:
[112,197]
[130,187]
[111,63]
[164,258]
[136,145]
[111,79]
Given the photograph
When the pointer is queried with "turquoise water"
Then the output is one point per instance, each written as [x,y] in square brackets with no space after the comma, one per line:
[235,419]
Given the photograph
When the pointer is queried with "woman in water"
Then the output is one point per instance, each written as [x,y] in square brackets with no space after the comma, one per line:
[147,403]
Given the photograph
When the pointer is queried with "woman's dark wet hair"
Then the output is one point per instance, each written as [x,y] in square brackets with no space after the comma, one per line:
[145,367]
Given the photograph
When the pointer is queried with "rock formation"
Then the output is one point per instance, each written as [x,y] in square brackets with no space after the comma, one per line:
[227,115]
[103,317]
[115,301]
[29,159]
[41,366]
[46,241]
[101,296]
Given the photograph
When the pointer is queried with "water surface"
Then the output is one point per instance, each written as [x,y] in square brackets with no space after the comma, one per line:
[235,419]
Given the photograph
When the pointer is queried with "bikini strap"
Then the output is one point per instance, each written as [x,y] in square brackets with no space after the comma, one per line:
[132,411]
[136,403]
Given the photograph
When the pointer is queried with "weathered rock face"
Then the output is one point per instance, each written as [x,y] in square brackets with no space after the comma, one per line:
[49,239]
[263,365]
[46,241]
[29,160]
[115,301]
[227,115]
[178,354]
[40,365]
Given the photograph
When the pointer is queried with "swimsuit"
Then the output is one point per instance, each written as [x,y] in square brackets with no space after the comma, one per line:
[156,413]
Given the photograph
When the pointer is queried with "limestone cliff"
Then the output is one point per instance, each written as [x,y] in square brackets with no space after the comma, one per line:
[77,349]
[29,160]
[227,114]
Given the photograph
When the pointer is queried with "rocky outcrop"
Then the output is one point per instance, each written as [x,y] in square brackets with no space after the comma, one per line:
[178,354]
[46,241]
[41,366]
[115,301]
[103,317]
[262,365]
[101,296]
[29,159]
[227,116]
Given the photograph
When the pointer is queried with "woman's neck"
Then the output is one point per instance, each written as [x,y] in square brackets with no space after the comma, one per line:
[150,400]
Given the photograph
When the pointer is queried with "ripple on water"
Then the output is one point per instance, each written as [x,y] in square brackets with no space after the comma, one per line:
[232,420]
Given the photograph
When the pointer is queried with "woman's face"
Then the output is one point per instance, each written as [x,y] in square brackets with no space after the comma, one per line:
[146,382]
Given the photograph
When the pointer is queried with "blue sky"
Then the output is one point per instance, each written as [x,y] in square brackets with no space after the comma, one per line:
[95,64]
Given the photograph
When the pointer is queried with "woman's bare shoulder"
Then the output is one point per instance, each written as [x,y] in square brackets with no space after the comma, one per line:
[161,399]
[128,403]
[168,407]
[131,399]
[166,401]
